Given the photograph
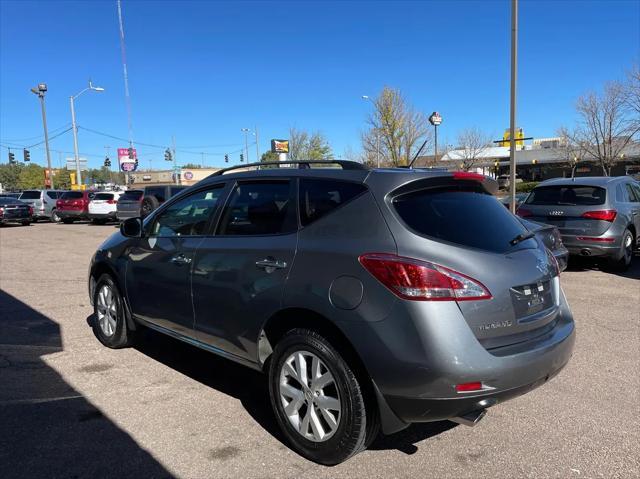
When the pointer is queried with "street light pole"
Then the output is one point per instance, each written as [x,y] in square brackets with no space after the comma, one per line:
[257,146]
[246,142]
[40,91]
[512,119]
[435,119]
[74,127]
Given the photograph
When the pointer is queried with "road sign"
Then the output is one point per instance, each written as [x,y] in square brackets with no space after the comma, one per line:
[435,119]
[126,162]
[188,175]
[71,164]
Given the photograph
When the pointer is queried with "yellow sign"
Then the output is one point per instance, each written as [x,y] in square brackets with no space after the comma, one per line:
[507,137]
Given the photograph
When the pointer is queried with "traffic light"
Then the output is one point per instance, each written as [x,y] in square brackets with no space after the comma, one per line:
[226,158]
[136,163]
[241,157]
[12,157]
[107,162]
[167,155]
[26,155]
[131,153]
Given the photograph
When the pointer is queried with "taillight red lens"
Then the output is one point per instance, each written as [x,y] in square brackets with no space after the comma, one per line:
[467,175]
[31,210]
[1,211]
[467,387]
[419,280]
[111,202]
[524,213]
[603,215]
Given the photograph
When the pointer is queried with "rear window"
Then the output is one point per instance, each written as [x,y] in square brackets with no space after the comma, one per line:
[71,195]
[30,195]
[464,215]
[567,195]
[133,195]
[103,196]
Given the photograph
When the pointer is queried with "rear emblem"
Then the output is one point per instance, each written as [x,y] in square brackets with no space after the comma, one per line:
[556,213]
[496,325]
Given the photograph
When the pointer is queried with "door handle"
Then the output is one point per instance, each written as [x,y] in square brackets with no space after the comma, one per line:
[180,259]
[270,264]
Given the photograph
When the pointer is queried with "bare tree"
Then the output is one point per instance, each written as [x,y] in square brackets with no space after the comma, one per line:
[605,126]
[298,140]
[472,143]
[632,92]
[396,129]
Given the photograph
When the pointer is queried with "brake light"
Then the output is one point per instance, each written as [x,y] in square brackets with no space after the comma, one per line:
[111,202]
[468,387]
[603,215]
[1,211]
[420,280]
[524,213]
[467,175]
[30,210]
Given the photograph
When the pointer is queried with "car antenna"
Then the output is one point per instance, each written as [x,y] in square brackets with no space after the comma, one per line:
[410,166]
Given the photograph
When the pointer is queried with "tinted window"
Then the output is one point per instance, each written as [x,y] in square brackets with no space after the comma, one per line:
[132,195]
[30,195]
[632,194]
[621,194]
[568,195]
[103,196]
[158,192]
[189,216]
[636,188]
[320,197]
[53,194]
[260,208]
[6,200]
[71,195]
[464,215]
[174,190]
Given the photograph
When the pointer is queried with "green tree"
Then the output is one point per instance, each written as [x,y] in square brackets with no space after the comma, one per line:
[269,156]
[61,179]
[304,146]
[9,175]
[192,166]
[31,177]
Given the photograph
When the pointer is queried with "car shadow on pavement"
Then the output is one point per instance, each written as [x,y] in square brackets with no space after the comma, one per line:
[579,263]
[48,428]
[251,388]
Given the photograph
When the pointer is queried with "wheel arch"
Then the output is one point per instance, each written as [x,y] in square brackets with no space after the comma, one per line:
[103,267]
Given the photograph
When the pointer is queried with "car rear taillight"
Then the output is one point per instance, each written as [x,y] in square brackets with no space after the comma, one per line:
[419,280]
[1,211]
[524,213]
[111,202]
[30,210]
[603,215]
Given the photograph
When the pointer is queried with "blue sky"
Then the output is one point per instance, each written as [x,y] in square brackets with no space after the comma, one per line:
[203,70]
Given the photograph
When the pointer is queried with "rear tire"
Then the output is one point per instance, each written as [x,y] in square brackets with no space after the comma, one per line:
[109,321]
[325,419]
[625,260]
[54,216]
[149,204]
[26,223]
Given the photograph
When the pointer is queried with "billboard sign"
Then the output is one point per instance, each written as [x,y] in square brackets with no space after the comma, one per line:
[280,146]
[126,163]
[435,119]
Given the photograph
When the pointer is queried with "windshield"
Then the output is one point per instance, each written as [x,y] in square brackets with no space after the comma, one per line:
[567,195]
[464,215]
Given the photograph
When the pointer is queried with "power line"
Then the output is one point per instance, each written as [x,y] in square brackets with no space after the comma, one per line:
[12,140]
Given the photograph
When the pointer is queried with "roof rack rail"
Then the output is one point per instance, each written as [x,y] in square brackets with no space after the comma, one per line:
[302,164]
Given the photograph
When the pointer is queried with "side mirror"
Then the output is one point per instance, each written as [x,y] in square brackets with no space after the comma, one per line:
[131,228]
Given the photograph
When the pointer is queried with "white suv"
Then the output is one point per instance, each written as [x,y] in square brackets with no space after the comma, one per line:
[102,207]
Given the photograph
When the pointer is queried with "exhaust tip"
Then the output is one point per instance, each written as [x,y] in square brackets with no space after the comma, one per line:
[471,418]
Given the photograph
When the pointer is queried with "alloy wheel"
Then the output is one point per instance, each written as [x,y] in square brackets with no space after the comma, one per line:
[107,309]
[309,396]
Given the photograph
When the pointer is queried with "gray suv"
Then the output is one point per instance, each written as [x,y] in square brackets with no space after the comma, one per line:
[43,203]
[596,216]
[141,202]
[372,299]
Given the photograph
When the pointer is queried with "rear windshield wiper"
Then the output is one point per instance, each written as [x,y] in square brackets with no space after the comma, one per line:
[522,237]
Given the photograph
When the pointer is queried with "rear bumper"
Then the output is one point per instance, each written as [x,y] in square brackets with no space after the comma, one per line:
[593,248]
[103,216]
[126,214]
[15,219]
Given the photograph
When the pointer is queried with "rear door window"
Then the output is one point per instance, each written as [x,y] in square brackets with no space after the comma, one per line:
[54,195]
[567,195]
[464,215]
[319,197]
[30,195]
[158,192]
[259,208]
[633,193]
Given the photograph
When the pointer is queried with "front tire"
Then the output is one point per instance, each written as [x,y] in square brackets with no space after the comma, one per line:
[317,399]
[54,216]
[109,320]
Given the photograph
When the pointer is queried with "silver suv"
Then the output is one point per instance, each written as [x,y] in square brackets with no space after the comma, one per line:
[596,216]
[43,203]
[372,299]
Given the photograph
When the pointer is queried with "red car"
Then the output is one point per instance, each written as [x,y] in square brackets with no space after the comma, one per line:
[74,205]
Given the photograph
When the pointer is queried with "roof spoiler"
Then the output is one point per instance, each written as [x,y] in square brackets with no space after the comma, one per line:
[487,182]
[346,165]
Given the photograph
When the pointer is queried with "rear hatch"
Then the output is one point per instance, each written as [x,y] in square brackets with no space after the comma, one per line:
[576,210]
[129,203]
[71,200]
[102,203]
[33,198]
[14,210]
[458,224]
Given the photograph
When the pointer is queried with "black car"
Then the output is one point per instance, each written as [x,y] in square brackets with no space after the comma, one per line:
[15,211]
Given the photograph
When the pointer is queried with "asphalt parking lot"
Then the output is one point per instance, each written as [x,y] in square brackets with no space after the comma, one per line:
[72,408]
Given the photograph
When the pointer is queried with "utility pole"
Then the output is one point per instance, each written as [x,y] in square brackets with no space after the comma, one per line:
[40,90]
[512,120]
[175,162]
[75,143]
[246,142]
[257,146]
[202,159]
